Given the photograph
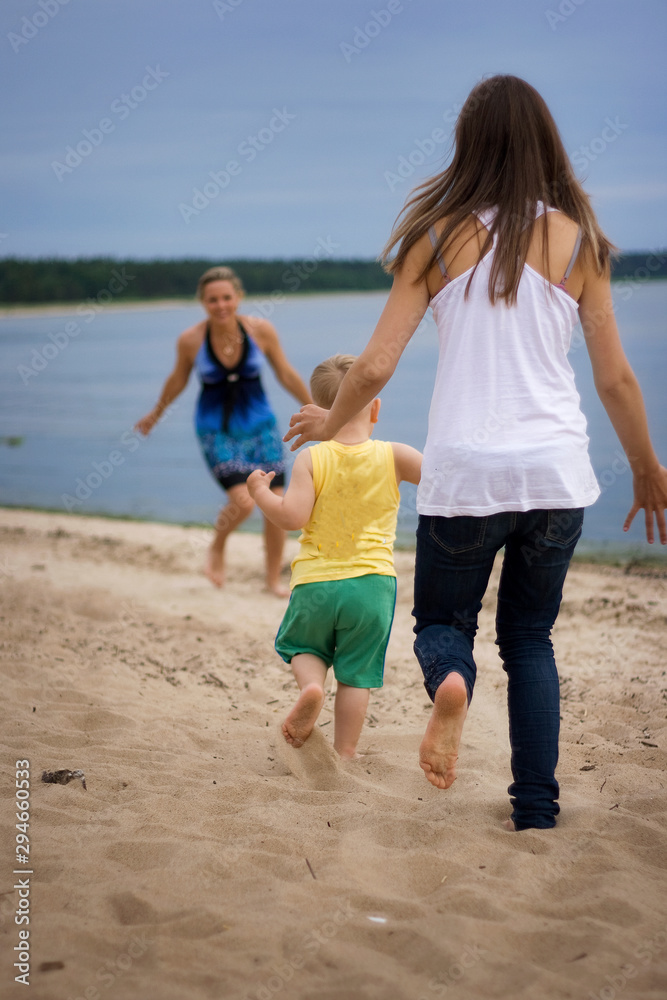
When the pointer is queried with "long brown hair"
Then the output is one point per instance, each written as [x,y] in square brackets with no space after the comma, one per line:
[508,154]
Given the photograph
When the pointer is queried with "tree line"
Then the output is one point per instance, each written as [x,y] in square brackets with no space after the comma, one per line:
[53,280]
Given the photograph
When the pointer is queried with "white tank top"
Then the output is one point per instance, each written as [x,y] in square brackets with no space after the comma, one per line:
[505,429]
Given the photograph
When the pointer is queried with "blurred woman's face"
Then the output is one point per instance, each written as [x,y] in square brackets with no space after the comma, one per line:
[220,300]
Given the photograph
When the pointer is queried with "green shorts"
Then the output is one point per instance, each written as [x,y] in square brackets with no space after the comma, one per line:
[346,623]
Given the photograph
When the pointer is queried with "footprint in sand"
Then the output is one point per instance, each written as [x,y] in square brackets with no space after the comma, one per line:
[316,764]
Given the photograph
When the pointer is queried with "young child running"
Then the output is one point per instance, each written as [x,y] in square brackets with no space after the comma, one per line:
[344,494]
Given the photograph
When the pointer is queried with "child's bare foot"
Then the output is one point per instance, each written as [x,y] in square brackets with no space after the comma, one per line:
[440,747]
[299,724]
[214,568]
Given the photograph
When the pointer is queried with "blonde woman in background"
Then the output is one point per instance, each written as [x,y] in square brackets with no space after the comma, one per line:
[235,424]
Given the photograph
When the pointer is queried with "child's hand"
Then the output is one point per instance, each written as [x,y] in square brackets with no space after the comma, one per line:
[257,479]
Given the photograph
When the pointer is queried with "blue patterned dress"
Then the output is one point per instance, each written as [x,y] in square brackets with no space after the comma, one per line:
[235,424]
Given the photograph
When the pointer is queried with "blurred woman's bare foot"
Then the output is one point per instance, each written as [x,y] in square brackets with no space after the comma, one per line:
[439,749]
[299,724]
[277,587]
[214,568]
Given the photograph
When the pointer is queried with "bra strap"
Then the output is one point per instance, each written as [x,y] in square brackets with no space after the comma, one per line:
[573,258]
[434,242]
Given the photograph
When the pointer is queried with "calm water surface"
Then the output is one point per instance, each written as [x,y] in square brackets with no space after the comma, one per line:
[72,420]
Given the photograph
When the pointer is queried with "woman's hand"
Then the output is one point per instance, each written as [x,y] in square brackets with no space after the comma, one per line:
[622,398]
[309,424]
[187,346]
[147,423]
[650,495]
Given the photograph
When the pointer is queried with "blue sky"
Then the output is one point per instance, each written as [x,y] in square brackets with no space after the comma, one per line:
[303,110]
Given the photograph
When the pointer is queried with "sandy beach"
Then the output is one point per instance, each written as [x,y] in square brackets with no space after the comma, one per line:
[24,310]
[207,859]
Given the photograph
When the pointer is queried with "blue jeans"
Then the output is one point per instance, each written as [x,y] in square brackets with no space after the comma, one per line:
[455,556]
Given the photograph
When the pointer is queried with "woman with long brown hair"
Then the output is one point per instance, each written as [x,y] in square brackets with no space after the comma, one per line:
[235,424]
[505,248]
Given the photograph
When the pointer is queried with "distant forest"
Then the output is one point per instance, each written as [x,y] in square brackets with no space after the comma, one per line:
[106,279]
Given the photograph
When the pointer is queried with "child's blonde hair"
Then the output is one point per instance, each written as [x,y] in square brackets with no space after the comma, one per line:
[327,377]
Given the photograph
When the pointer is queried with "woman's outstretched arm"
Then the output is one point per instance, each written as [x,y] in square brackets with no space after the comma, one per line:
[622,398]
[376,364]
[268,340]
[174,385]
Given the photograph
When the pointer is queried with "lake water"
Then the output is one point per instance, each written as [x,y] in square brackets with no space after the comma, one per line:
[61,424]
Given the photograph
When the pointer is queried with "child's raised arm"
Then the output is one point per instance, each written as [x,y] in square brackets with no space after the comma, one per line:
[407,462]
[292,510]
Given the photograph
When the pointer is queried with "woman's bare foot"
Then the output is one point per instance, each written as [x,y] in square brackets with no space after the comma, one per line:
[299,724]
[439,749]
[214,568]
[277,587]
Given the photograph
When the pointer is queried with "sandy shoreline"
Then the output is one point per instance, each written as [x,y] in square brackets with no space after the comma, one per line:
[207,859]
[70,308]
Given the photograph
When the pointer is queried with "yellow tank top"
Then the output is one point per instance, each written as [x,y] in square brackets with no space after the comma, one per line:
[352,528]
